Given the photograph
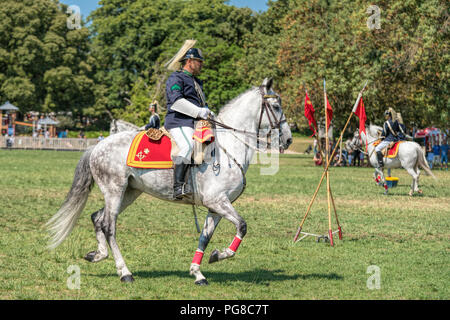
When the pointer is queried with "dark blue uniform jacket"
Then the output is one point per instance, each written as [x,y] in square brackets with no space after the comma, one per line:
[153,122]
[388,134]
[181,85]
[401,131]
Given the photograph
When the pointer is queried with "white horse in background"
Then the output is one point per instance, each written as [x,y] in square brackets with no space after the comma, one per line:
[118,125]
[410,156]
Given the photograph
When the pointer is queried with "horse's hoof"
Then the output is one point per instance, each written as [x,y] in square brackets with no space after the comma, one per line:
[202,282]
[94,256]
[90,256]
[420,191]
[128,278]
[214,257]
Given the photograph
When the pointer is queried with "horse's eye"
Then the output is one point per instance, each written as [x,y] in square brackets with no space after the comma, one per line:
[277,106]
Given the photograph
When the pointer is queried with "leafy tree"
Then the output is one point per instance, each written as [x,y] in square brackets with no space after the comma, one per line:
[405,61]
[44,66]
[132,42]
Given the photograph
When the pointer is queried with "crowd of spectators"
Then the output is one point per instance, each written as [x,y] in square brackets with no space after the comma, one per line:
[437,152]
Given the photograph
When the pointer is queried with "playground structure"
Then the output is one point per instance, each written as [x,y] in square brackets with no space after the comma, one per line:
[11,112]
[9,122]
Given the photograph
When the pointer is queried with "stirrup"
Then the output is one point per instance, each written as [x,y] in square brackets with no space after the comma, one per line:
[182,191]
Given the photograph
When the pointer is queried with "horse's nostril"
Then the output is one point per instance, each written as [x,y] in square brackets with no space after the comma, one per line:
[289,141]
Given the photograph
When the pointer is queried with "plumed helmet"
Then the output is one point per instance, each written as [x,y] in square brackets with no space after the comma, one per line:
[193,53]
[154,105]
[391,112]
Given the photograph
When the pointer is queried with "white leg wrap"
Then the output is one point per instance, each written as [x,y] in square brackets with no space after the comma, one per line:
[195,271]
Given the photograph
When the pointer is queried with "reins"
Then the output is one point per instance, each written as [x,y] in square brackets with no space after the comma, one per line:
[274,124]
[265,108]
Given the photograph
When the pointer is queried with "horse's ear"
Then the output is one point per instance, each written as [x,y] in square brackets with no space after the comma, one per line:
[267,83]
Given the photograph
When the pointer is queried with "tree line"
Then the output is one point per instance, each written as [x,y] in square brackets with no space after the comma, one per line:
[114,64]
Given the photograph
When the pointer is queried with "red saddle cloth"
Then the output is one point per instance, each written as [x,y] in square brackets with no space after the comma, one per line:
[149,154]
[392,152]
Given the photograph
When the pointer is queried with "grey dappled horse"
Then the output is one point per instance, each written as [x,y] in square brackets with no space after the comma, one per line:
[410,156]
[118,125]
[217,184]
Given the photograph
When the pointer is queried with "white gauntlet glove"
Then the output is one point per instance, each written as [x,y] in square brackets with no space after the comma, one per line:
[204,113]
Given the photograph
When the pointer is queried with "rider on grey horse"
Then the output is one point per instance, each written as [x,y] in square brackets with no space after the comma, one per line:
[389,134]
[185,103]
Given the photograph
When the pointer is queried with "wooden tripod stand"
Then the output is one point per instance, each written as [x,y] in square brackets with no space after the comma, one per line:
[330,198]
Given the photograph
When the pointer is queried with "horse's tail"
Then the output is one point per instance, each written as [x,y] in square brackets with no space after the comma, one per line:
[62,223]
[423,162]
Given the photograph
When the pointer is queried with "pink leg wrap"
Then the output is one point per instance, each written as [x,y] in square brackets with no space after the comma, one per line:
[198,257]
[235,244]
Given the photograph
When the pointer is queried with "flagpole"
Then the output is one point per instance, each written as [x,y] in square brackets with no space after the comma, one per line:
[326,168]
[325,100]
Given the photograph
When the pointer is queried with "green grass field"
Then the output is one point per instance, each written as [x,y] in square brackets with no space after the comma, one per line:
[407,238]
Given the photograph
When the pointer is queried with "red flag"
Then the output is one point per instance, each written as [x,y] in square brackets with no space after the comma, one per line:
[360,112]
[309,113]
[329,112]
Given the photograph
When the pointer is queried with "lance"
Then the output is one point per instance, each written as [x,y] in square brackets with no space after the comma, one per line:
[325,101]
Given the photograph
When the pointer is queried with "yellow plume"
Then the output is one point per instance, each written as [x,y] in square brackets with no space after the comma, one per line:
[174,64]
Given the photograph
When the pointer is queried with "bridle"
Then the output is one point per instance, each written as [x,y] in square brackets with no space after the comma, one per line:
[267,108]
[369,143]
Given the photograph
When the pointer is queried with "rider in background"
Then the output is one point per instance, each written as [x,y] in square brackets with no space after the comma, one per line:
[389,134]
[185,103]
[154,121]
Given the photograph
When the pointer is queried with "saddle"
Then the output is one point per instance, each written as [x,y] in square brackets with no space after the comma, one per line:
[391,150]
[155,148]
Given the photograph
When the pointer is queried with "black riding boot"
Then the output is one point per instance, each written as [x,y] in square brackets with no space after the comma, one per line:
[180,187]
[380,159]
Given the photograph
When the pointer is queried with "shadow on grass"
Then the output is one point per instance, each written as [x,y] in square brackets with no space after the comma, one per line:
[258,276]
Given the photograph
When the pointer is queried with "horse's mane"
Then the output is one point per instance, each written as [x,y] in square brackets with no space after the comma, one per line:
[230,103]
[373,129]
[120,121]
